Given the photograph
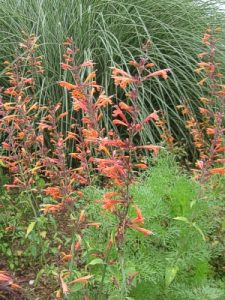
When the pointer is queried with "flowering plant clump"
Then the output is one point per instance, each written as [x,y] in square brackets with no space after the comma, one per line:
[208,134]
[35,147]
[54,152]
[106,152]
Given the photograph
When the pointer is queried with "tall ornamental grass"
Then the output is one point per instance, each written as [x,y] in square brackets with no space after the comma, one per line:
[112,32]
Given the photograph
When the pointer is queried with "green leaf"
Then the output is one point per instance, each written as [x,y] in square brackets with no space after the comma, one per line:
[2,164]
[170,275]
[76,287]
[199,230]
[38,276]
[30,228]
[41,183]
[183,219]
[96,261]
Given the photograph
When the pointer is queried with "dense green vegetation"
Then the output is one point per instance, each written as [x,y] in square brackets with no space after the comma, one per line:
[182,260]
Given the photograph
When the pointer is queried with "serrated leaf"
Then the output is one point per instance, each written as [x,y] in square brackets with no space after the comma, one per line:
[30,228]
[96,261]
[170,275]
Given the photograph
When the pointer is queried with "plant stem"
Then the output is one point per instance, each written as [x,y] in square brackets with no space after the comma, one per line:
[123,292]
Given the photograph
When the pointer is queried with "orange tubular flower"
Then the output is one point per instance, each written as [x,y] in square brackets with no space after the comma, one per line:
[83,279]
[103,101]
[139,219]
[142,230]
[152,116]
[54,192]
[51,208]
[141,166]
[154,148]
[67,85]
[220,171]
[161,73]
[108,202]
[119,122]
[66,257]
[122,78]
[126,107]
